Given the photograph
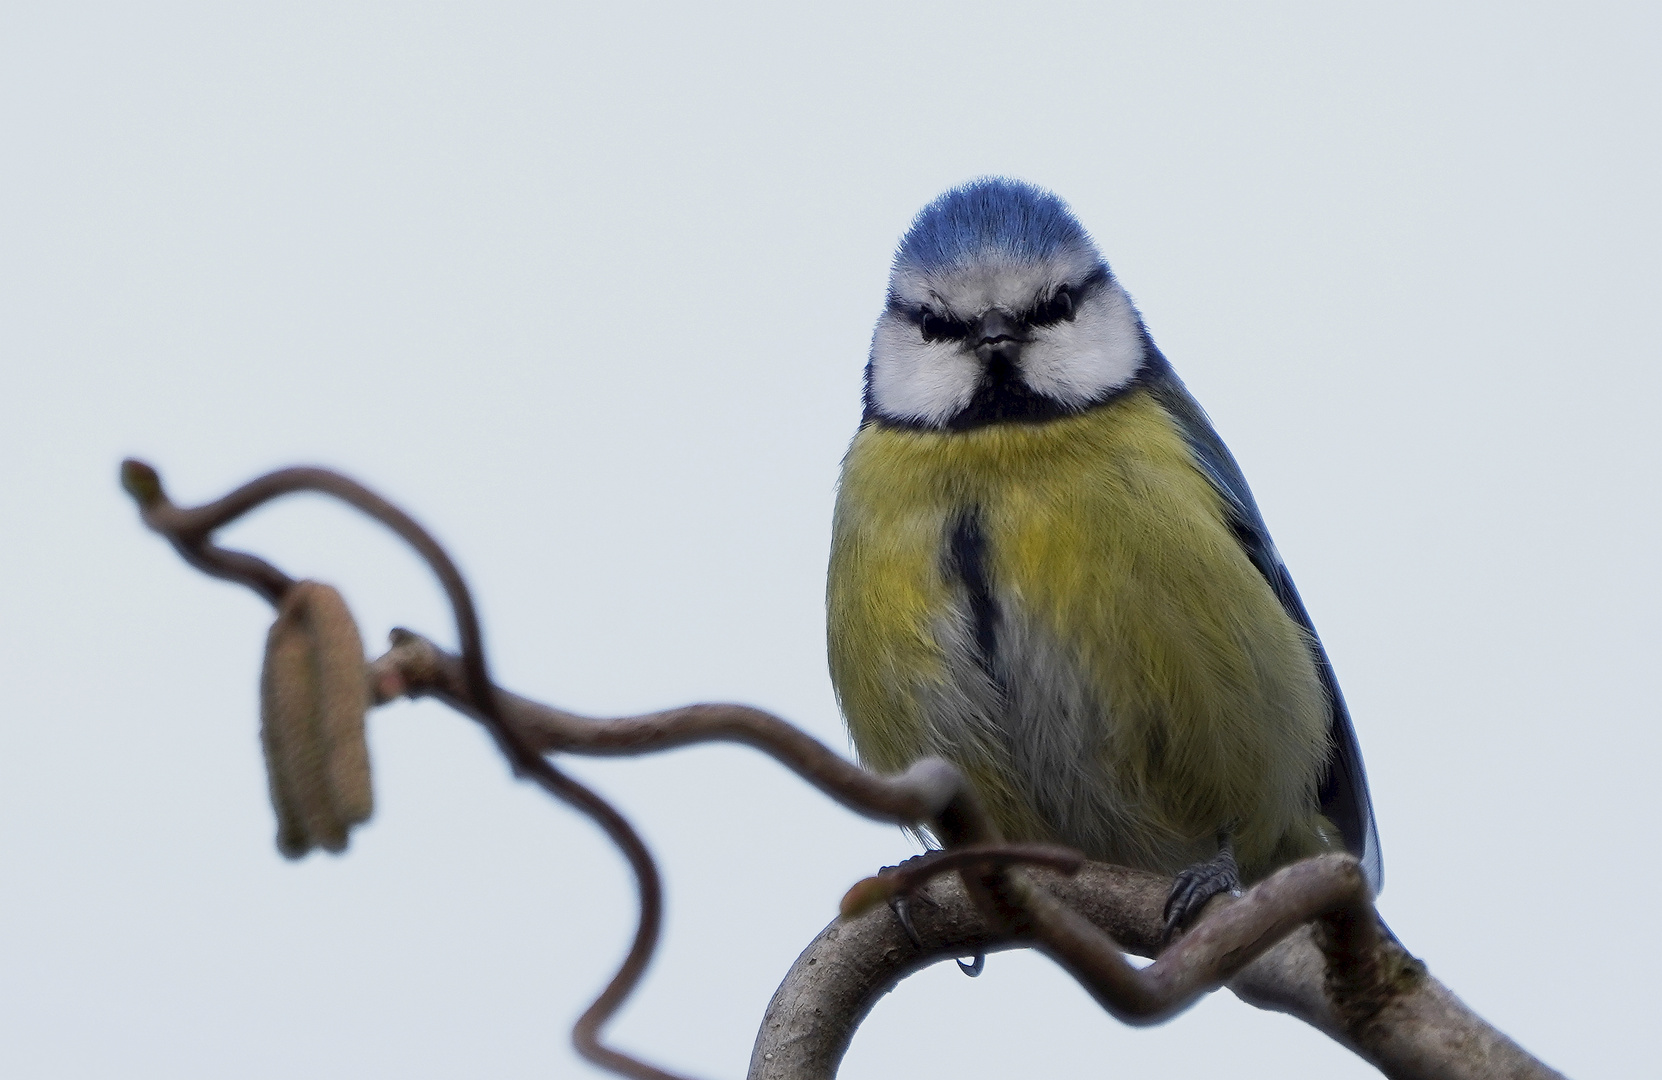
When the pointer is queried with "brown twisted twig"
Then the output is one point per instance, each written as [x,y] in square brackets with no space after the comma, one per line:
[926,793]
[1361,980]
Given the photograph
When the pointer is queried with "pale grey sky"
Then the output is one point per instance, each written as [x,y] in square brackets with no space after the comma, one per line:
[589,288]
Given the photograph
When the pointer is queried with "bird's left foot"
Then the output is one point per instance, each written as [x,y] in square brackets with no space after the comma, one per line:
[1198,884]
[901,905]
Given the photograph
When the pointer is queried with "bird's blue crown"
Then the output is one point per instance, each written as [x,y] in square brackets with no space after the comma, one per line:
[991,216]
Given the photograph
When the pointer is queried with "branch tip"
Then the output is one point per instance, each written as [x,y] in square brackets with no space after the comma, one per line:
[864,895]
[142,482]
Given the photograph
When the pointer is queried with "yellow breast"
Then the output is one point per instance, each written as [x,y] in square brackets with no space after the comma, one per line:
[1149,690]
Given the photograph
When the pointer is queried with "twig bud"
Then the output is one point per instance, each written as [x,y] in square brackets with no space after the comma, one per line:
[141,482]
[313,695]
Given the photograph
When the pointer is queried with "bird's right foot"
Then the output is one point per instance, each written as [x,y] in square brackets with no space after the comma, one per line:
[1197,884]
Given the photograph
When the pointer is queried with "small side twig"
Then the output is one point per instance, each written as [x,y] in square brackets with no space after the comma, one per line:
[931,791]
[913,874]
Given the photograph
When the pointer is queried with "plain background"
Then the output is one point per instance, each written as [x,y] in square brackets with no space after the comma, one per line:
[589,289]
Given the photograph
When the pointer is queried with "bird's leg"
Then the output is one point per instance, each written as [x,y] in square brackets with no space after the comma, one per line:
[901,905]
[1199,883]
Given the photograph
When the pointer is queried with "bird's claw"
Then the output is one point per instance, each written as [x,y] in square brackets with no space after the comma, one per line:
[1195,886]
[901,905]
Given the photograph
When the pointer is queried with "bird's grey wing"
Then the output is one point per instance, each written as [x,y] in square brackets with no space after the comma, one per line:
[1344,790]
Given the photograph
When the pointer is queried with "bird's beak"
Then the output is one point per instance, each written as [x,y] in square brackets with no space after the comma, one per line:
[998,339]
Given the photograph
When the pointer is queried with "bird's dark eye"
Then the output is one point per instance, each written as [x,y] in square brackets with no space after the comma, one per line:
[1058,308]
[939,327]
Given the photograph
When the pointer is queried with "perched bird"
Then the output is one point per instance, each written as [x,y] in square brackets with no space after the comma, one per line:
[1047,568]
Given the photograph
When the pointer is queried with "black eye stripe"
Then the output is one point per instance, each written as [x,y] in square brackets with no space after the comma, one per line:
[1064,302]
[940,327]
[1060,306]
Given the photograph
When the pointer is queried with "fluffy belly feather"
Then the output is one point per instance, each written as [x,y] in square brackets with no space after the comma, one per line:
[1062,610]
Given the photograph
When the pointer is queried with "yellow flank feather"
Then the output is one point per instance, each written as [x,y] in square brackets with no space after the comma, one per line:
[1104,541]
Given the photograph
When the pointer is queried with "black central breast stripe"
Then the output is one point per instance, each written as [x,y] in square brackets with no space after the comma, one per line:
[966,561]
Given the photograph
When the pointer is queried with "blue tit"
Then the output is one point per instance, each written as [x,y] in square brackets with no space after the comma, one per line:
[1047,568]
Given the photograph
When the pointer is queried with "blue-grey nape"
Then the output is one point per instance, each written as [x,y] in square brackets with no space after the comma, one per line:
[992,214]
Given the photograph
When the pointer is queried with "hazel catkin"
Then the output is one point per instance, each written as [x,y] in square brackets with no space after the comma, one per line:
[313,697]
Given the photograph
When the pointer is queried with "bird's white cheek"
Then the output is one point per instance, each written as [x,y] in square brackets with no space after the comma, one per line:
[917,380]
[1097,353]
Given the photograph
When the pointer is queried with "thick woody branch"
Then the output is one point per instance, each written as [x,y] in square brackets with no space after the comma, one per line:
[1401,1019]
